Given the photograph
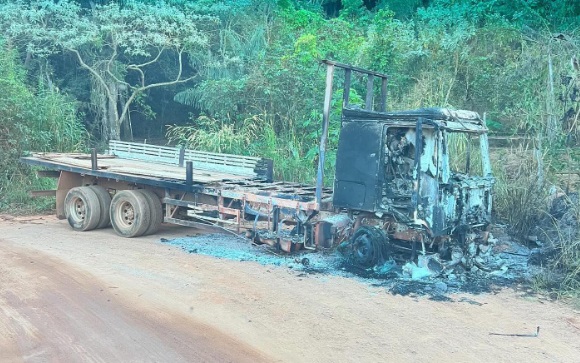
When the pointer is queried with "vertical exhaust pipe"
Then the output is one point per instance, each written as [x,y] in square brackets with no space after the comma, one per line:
[324,136]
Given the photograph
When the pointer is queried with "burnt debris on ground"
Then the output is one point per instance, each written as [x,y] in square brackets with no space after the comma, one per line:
[506,264]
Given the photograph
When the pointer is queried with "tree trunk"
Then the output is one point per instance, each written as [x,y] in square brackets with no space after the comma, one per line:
[127,130]
[125,118]
[113,113]
[105,126]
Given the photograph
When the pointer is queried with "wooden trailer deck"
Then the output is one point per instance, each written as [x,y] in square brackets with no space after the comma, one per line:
[122,166]
[159,162]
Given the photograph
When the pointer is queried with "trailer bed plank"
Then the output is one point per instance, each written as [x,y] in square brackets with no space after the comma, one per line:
[136,167]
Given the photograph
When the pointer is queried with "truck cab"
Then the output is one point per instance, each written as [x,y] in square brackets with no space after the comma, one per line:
[413,182]
[399,163]
[422,176]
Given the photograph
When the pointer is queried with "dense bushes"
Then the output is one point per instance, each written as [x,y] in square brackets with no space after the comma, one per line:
[41,121]
[259,84]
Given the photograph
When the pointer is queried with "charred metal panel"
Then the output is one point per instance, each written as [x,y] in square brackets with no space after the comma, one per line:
[429,152]
[358,160]
[475,200]
[449,203]
[484,149]
[438,226]
[429,193]
[452,120]
[445,172]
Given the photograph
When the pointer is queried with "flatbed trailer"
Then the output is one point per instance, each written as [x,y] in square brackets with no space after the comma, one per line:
[196,189]
[398,189]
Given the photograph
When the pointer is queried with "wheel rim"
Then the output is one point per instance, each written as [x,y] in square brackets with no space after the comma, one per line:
[369,246]
[126,214]
[77,210]
[364,251]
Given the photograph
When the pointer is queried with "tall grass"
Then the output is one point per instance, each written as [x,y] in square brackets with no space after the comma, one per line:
[566,241]
[15,197]
[519,198]
[254,136]
[526,204]
[215,135]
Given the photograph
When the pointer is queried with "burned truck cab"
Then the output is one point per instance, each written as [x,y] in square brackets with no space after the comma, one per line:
[412,182]
[416,176]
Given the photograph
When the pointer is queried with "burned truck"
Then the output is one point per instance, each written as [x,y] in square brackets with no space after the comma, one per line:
[407,184]
[395,178]
[403,190]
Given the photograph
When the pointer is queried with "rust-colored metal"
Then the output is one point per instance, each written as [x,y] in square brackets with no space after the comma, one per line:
[409,235]
[66,182]
[332,230]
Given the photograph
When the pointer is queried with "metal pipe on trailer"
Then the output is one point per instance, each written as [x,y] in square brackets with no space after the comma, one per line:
[324,136]
[94,159]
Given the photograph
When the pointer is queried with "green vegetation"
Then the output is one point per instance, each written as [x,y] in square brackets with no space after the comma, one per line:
[244,77]
[43,120]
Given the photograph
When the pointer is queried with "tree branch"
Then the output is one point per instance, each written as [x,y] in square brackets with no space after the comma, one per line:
[109,62]
[141,74]
[149,62]
[137,67]
[95,74]
[118,80]
[137,91]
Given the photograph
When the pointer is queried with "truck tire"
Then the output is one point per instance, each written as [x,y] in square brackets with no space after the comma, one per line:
[130,213]
[105,203]
[82,209]
[156,211]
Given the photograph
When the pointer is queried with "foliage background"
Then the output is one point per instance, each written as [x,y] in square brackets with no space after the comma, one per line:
[256,83]
[30,119]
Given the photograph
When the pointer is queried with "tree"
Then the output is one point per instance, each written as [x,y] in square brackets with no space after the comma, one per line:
[119,47]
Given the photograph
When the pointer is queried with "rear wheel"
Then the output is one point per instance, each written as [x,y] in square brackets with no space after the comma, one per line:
[130,213]
[82,209]
[156,210]
[105,203]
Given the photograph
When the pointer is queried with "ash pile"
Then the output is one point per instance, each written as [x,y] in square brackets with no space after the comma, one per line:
[503,262]
[481,268]
[500,257]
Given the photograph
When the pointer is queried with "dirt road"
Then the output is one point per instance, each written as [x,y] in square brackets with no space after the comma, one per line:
[94,297]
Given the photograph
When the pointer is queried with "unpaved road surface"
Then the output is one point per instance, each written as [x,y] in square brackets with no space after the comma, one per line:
[94,297]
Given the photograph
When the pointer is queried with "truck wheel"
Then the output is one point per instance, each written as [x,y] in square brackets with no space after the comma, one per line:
[105,203]
[130,213]
[82,209]
[156,210]
[369,247]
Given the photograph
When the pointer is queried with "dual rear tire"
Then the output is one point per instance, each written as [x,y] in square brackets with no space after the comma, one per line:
[156,210]
[82,209]
[105,203]
[132,213]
